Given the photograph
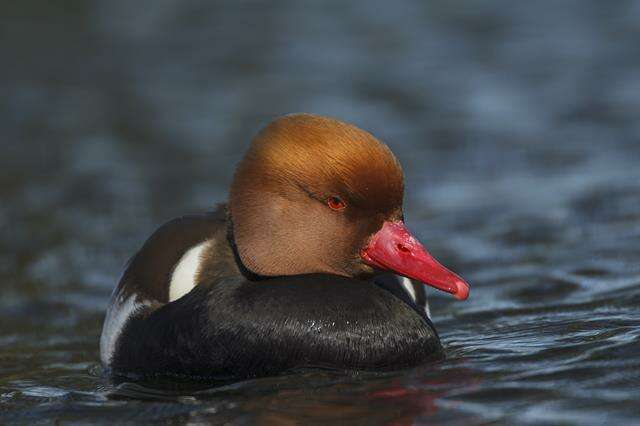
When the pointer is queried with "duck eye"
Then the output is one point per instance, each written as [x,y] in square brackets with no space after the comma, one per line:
[335,203]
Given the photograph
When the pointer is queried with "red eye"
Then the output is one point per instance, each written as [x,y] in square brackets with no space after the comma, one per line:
[335,203]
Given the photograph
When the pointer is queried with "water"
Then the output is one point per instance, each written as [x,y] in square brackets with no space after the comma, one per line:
[518,126]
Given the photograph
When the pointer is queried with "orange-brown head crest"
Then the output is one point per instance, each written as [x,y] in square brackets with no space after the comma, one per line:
[322,156]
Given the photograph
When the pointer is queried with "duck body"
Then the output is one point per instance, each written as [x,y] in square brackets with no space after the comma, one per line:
[307,265]
[286,324]
[229,326]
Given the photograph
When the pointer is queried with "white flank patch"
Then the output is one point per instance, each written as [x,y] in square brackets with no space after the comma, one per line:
[426,308]
[118,314]
[184,275]
[407,284]
[408,287]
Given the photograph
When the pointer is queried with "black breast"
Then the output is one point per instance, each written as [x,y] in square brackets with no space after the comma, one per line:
[238,328]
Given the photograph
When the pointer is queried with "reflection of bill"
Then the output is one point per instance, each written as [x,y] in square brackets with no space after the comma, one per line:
[427,396]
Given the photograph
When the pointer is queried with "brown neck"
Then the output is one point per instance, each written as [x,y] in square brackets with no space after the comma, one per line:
[249,274]
[273,239]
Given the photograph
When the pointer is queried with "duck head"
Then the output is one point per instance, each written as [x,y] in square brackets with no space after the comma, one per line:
[317,195]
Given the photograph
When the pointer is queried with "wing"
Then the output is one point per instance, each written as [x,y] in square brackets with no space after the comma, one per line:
[148,273]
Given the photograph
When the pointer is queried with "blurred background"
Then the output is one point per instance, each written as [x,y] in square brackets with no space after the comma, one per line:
[518,127]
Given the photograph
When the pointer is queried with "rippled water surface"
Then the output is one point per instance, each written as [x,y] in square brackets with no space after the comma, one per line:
[518,126]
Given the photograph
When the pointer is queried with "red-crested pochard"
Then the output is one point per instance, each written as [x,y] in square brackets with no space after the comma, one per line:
[287,274]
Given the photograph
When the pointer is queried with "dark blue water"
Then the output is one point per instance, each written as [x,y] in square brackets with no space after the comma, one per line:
[518,124]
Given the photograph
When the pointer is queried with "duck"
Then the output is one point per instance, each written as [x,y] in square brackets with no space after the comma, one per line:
[309,264]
